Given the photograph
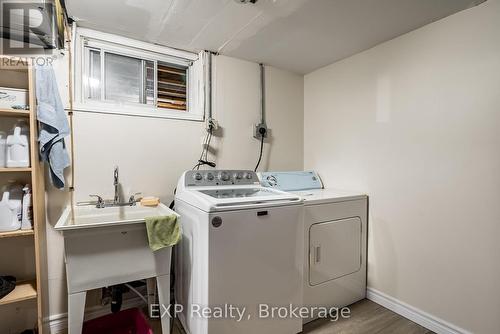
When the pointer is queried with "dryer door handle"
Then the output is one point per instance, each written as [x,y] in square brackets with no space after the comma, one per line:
[317,254]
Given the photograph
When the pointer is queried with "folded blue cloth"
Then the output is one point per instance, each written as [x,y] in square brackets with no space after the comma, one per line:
[54,124]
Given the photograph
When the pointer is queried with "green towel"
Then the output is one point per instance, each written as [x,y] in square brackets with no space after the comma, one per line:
[163,231]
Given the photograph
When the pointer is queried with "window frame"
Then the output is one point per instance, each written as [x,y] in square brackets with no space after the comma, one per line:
[87,39]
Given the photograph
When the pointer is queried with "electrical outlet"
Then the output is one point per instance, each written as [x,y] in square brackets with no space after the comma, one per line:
[260,130]
[212,122]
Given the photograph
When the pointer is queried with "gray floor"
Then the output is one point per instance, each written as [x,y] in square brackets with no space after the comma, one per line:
[366,317]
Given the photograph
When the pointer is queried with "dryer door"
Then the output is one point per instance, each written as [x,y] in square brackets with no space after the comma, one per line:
[334,249]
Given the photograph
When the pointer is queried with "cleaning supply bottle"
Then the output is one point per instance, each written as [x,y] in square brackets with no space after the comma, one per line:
[9,221]
[23,124]
[18,152]
[15,191]
[3,148]
[27,213]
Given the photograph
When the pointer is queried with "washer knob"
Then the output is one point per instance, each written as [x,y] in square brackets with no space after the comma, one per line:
[238,176]
[210,177]
[224,176]
[249,176]
[198,176]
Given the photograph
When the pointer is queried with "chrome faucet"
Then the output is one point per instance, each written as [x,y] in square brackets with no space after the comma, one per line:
[103,203]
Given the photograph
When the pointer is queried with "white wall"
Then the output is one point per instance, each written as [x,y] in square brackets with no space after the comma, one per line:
[152,153]
[414,123]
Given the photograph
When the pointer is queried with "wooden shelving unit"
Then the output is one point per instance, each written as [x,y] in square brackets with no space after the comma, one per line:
[14,113]
[15,170]
[18,233]
[30,289]
[23,291]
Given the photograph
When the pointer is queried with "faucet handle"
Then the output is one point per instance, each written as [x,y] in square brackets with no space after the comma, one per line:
[100,201]
[132,200]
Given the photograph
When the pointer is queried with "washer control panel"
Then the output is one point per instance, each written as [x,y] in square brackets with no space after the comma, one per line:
[223,177]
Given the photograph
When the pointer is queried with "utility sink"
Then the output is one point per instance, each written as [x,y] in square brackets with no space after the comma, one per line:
[88,216]
[109,246]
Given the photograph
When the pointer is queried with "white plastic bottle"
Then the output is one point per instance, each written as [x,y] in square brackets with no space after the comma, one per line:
[9,219]
[15,191]
[27,213]
[18,151]
[3,149]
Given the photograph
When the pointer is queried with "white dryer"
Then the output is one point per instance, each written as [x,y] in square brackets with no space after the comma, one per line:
[242,246]
[335,239]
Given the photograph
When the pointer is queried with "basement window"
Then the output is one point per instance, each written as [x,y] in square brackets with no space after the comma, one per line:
[137,78]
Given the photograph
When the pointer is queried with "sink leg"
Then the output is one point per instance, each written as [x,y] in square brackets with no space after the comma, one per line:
[151,291]
[163,283]
[76,309]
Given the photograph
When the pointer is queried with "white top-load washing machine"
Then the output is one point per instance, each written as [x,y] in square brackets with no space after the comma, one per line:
[335,239]
[242,247]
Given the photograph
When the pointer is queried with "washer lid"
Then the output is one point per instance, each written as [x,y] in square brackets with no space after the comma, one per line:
[239,193]
[225,190]
[224,198]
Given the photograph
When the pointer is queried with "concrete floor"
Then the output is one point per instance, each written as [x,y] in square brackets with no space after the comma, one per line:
[367,317]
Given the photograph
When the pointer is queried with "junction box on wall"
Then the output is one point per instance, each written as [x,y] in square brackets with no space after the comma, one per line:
[260,130]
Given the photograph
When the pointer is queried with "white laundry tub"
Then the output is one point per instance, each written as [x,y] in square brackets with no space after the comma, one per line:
[109,246]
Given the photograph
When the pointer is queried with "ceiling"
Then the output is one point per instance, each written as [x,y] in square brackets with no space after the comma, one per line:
[296,35]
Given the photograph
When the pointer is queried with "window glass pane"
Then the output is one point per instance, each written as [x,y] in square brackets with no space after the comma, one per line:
[172,87]
[149,70]
[123,78]
[94,75]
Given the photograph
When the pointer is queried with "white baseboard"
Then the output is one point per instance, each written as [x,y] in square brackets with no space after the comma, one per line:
[58,323]
[422,318]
